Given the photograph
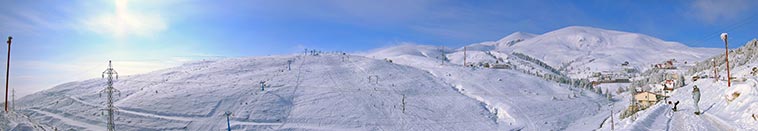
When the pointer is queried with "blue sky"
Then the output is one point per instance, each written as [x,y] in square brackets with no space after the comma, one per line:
[59,41]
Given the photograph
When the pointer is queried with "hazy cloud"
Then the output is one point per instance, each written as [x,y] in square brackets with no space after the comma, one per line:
[714,10]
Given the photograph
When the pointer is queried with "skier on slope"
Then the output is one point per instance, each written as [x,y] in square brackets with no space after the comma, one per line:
[696,97]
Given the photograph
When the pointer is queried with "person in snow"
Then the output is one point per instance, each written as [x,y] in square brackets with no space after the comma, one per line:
[696,97]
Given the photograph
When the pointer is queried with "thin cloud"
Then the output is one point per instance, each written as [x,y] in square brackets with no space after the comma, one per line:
[715,10]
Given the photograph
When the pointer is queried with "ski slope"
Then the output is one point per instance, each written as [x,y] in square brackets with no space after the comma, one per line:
[326,92]
[14,121]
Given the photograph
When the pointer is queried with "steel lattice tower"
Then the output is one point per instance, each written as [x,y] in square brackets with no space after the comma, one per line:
[109,91]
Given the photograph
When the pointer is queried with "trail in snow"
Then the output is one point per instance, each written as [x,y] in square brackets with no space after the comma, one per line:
[68,121]
[298,81]
[654,119]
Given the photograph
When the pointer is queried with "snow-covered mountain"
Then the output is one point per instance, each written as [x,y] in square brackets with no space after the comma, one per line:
[575,51]
[577,48]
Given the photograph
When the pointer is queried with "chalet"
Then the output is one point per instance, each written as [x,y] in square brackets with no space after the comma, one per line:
[645,99]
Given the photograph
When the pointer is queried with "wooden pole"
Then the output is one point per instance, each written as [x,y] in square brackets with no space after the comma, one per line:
[726,46]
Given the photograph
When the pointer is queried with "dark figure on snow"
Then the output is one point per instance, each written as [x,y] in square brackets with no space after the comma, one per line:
[673,105]
[696,98]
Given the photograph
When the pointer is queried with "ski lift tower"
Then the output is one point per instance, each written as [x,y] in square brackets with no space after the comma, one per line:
[726,46]
[263,85]
[228,124]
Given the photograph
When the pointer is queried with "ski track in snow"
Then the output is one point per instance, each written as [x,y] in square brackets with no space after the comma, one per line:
[72,122]
[298,81]
[159,116]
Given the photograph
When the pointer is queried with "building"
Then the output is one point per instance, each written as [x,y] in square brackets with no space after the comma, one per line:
[500,66]
[645,99]
[666,65]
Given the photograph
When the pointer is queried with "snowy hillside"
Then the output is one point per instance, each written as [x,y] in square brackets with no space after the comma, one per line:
[328,92]
[575,48]
[13,121]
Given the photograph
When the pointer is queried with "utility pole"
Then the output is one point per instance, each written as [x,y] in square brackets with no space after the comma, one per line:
[7,69]
[7,73]
[726,46]
[228,124]
[109,90]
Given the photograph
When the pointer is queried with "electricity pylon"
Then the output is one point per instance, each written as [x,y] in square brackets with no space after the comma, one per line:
[109,90]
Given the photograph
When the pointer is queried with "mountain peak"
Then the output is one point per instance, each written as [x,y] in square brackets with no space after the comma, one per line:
[516,36]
